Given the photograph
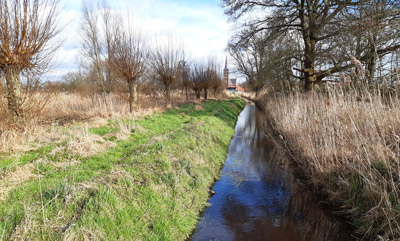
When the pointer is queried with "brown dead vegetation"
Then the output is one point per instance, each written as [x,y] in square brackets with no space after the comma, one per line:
[345,142]
[82,111]
[12,179]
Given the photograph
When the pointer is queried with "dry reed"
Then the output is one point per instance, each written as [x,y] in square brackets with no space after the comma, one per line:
[347,145]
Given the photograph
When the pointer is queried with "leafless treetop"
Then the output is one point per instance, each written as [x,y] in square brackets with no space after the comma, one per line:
[26,27]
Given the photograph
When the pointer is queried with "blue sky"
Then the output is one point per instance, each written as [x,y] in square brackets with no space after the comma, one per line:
[200,24]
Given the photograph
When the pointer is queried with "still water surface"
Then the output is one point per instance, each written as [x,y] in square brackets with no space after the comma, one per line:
[257,198]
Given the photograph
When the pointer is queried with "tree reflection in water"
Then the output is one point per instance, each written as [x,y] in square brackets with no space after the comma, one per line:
[257,197]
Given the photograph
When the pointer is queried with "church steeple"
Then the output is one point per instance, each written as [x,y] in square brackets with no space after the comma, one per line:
[226,73]
[226,62]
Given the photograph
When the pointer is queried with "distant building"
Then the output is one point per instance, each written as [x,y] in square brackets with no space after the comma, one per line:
[227,81]
[226,73]
[235,89]
[231,84]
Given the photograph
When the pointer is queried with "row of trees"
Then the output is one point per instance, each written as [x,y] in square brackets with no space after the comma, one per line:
[115,49]
[309,41]
[115,52]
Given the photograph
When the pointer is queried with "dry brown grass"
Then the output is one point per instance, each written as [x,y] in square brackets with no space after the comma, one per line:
[347,144]
[63,109]
[15,178]
[84,143]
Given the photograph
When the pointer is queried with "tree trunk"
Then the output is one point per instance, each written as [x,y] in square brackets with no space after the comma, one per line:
[198,93]
[108,81]
[187,94]
[205,93]
[308,29]
[132,95]
[309,64]
[12,75]
[167,95]
[372,60]
[108,67]
[371,68]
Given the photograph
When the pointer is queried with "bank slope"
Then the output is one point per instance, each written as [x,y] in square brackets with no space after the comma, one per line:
[151,186]
[344,143]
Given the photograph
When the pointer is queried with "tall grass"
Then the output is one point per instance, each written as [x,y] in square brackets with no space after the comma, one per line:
[66,108]
[346,142]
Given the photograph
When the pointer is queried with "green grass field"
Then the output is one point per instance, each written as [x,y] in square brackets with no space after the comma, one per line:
[150,186]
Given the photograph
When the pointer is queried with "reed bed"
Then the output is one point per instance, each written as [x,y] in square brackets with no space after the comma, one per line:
[346,143]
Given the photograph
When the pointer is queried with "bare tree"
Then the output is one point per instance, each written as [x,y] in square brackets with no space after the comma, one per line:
[185,77]
[325,29]
[204,76]
[128,58]
[197,76]
[252,60]
[166,59]
[265,61]
[377,35]
[26,29]
[315,21]
[217,84]
[210,75]
[108,28]
[96,33]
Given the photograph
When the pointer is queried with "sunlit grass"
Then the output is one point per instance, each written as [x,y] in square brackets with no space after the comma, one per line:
[150,186]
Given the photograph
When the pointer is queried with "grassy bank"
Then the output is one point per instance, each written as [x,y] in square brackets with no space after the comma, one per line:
[148,186]
[63,109]
[346,144]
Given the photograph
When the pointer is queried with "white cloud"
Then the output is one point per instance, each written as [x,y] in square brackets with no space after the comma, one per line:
[200,24]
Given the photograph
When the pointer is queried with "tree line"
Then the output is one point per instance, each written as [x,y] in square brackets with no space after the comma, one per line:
[115,55]
[310,41]
[115,49]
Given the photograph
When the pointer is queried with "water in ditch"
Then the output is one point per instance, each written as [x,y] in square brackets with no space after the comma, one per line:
[257,197]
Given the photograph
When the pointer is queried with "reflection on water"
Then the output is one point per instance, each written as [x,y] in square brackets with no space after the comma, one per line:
[258,199]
